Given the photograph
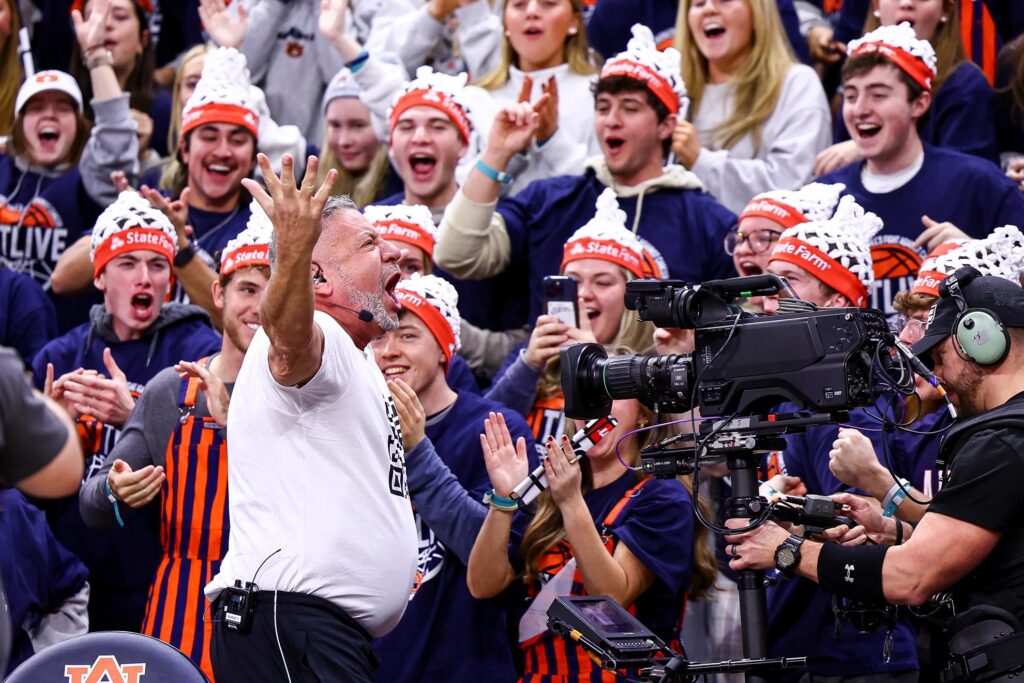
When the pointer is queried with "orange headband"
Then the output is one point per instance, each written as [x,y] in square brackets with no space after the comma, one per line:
[823,267]
[133,239]
[657,84]
[432,318]
[436,99]
[605,250]
[911,65]
[218,112]
[243,257]
[775,211]
[397,230]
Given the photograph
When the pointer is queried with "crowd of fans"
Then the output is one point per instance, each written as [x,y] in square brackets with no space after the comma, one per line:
[863,149]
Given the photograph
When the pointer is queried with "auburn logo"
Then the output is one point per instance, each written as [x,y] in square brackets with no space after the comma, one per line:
[105,669]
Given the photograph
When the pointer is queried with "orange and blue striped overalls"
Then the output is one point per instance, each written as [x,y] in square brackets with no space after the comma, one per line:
[549,658]
[193,530]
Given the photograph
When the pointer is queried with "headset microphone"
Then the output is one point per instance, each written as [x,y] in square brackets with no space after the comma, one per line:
[363,314]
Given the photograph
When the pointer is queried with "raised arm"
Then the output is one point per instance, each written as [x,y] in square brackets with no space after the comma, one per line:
[296,343]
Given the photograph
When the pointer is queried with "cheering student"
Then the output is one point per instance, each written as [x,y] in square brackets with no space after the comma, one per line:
[759,118]
[445,632]
[101,368]
[887,83]
[55,176]
[217,150]
[600,529]
[636,101]
[963,108]
[173,450]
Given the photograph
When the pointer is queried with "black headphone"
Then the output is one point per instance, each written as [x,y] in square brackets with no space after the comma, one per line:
[978,333]
[318,276]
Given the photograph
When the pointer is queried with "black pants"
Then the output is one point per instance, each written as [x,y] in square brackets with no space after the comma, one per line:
[319,642]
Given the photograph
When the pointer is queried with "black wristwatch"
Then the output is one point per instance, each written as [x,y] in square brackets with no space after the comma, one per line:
[787,555]
[185,255]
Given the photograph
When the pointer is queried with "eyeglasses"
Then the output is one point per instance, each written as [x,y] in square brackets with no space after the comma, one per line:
[908,329]
[759,240]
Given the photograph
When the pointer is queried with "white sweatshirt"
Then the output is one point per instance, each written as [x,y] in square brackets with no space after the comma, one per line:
[798,129]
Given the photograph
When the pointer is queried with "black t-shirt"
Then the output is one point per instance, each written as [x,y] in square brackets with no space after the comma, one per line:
[30,435]
[986,488]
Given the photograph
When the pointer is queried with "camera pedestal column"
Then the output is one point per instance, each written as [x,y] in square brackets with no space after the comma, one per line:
[743,468]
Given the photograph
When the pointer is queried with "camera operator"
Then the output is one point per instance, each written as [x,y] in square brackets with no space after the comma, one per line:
[911,453]
[319,506]
[971,540]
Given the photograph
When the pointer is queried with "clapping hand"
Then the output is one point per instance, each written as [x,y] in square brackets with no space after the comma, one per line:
[506,461]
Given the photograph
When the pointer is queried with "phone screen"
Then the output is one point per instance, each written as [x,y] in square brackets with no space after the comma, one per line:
[560,299]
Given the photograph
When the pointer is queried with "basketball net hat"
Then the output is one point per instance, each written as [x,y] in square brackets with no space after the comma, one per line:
[131,224]
[252,246]
[436,303]
[812,202]
[45,81]
[222,94]
[837,251]
[605,237]
[437,90]
[408,224]
[658,70]
[901,46]
[1000,254]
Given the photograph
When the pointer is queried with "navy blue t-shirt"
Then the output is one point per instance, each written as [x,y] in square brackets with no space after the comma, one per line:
[969,192]
[446,634]
[687,227]
[40,217]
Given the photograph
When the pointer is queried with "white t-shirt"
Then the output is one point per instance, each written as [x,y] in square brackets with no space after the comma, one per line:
[319,472]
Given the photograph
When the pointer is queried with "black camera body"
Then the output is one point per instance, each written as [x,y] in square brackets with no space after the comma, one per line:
[742,364]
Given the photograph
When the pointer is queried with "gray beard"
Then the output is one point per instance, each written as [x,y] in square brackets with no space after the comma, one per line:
[372,302]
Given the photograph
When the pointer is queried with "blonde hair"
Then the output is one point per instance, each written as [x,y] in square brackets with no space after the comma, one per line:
[576,53]
[758,84]
[174,175]
[362,187]
[11,72]
[948,46]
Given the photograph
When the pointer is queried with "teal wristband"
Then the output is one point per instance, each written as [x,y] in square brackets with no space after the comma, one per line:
[895,497]
[500,503]
[493,173]
[113,499]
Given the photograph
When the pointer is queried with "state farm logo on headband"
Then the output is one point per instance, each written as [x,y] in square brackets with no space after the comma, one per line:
[658,85]
[911,65]
[605,250]
[928,283]
[783,214]
[249,255]
[805,252]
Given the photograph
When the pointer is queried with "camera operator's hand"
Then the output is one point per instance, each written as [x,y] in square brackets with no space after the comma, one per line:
[673,340]
[867,512]
[410,413]
[135,489]
[547,337]
[565,476]
[853,461]
[754,549]
[506,462]
[844,535]
[784,484]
